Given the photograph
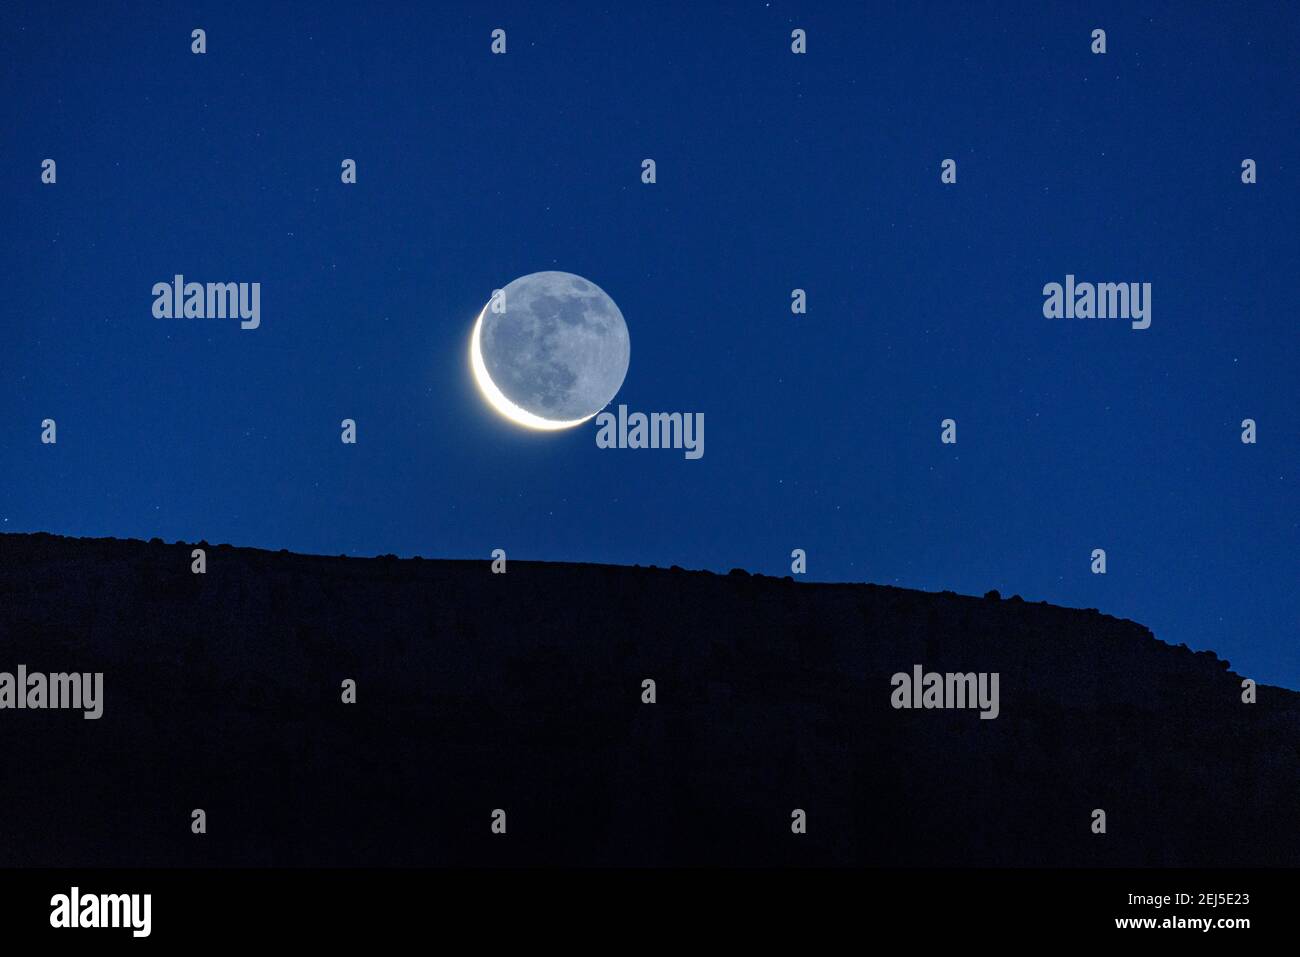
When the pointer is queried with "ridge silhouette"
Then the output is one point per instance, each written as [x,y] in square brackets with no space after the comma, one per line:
[522,691]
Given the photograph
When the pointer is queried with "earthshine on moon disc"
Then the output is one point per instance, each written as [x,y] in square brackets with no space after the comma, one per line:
[554,355]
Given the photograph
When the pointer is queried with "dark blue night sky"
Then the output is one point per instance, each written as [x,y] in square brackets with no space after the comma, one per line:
[775,172]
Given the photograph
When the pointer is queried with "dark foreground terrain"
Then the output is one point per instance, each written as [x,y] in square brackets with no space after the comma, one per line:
[523,692]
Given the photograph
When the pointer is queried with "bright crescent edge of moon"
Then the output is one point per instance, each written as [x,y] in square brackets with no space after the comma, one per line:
[497,399]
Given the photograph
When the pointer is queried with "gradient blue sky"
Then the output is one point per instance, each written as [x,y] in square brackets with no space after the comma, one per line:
[775,171]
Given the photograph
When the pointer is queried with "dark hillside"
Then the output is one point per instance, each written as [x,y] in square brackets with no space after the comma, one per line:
[523,692]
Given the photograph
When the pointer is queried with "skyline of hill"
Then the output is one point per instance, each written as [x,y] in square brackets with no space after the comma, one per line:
[524,692]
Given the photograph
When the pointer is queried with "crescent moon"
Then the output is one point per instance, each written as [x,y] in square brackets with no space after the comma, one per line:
[497,399]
